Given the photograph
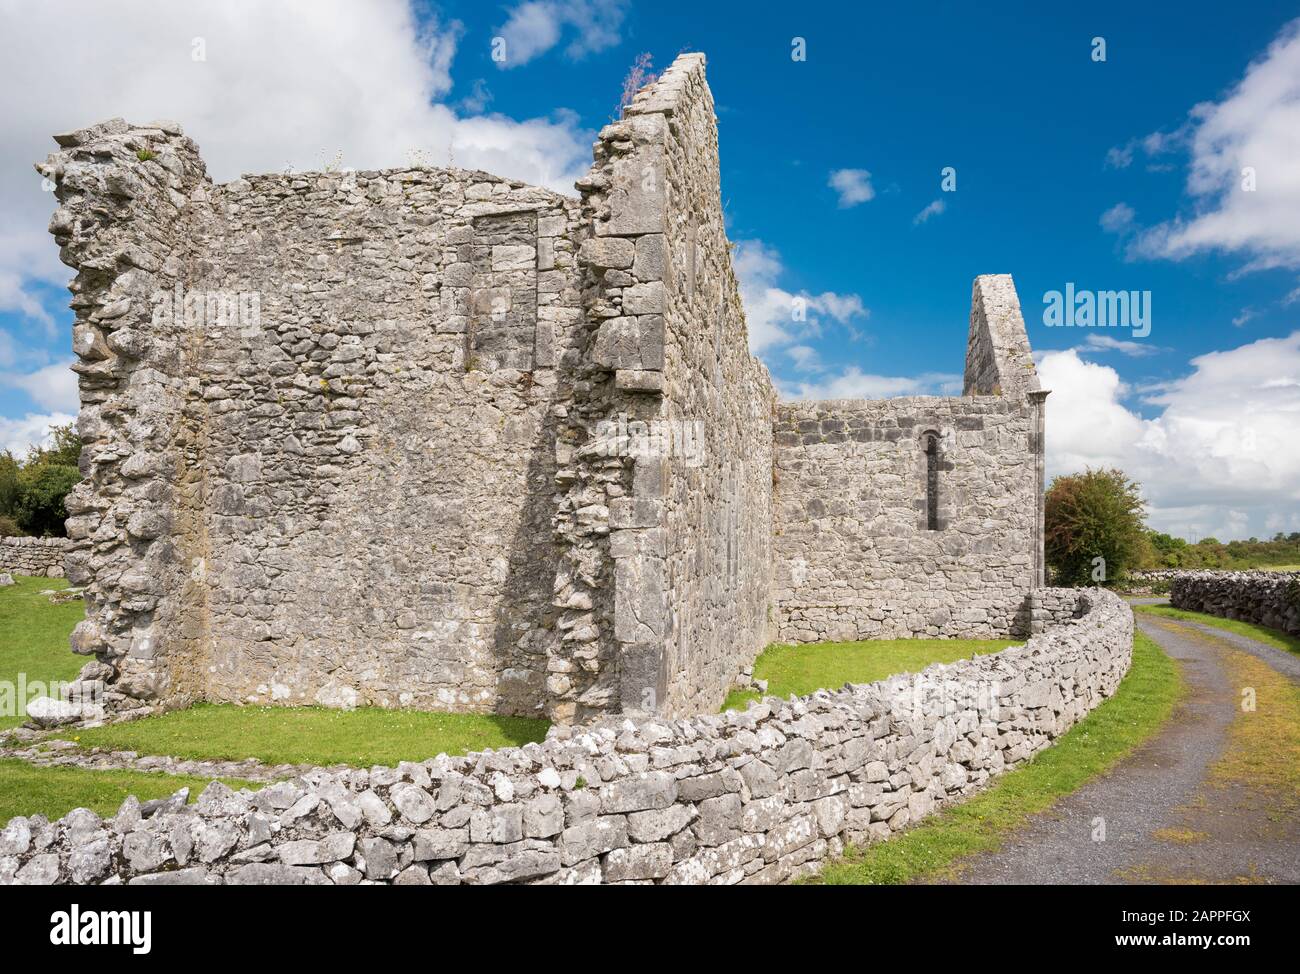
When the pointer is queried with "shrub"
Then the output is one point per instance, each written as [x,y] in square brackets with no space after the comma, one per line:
[1090,516]
[43,486]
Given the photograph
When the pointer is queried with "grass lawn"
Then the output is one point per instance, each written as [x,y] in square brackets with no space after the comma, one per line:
[934,848]
[1271,637]
[816,666]
[34,639]
[311,735]
[34,642]
[26,789]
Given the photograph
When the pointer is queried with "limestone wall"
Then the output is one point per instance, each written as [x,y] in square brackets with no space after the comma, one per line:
[753,797]
[855,556]
[666,521]
[719,403]
[434,438]
[1268,598]
[379,455]
[33,556]
[321,425]
[363,438]
[133,201]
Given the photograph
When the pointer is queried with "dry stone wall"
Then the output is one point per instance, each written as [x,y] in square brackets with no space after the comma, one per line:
[753,797]
[1268,598]
[33,556]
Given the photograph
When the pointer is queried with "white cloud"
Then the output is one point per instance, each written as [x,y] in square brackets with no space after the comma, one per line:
[805,357]
[1118,219]
[19,435]
[533,28]
[933,209]
[1104,343]
[1223,446]
[1255,127]
[478,99]
[853,383]
[1152,145]
[778,318]
[853,185]
[52,387]
[1119,157]
[776,334]
[286,83]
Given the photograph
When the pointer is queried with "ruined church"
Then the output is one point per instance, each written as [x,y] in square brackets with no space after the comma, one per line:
[437,439]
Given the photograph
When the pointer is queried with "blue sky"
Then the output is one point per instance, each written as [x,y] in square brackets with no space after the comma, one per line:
[1068,169]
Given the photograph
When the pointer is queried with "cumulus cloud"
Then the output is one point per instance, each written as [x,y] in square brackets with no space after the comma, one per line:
[1118,219]
[533,28]
[18,436]
[853,186]
[933,209]
[52,387]
[1250,138]
[853,383]
[782,325]
[1152,145]
[1096,342]
[286,83]
[778,318]
[1221,456]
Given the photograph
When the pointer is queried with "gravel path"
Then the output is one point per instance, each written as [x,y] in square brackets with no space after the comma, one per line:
[1164,820]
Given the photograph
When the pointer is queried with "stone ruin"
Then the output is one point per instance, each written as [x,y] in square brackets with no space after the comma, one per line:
[437,439]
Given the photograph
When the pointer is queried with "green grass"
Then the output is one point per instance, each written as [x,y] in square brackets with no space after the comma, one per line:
[1263,634]
[815,666]
[34,639]
[311,735]
[26,789]
[935,848]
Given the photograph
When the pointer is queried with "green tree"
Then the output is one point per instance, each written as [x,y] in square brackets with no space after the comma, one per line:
[8,484]
[1093,515]
[64,450]
[42,487]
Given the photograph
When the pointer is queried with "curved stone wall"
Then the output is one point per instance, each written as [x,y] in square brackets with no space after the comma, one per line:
[1268,598]
[753,797]
[33,556]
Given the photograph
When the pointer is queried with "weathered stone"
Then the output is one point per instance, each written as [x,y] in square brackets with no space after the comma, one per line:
[638,862]
[652,789]
[592,838]
[441,843]
[413,802]
[654,825]
[311,852]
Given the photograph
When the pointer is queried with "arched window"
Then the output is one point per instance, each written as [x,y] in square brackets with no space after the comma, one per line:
[930,443]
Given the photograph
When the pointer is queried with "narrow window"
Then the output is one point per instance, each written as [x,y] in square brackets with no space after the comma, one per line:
[932,481]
